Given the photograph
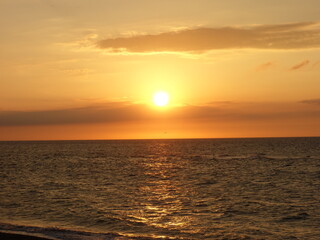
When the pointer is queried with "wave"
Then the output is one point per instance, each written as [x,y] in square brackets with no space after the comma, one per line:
[57,233]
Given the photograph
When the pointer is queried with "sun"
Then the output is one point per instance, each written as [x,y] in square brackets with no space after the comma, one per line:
[161,98]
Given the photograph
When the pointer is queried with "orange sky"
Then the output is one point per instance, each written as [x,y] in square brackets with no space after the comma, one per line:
[89,69]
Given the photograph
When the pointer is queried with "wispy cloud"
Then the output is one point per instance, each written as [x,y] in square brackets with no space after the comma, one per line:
[316,64]
[312,101]
[300,65]
[76,71]
[264,66]
[282,36]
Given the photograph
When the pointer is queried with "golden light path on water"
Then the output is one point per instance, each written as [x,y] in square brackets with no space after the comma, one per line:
[166,195]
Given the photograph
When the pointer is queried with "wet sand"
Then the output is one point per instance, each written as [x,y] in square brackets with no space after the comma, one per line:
[18,236]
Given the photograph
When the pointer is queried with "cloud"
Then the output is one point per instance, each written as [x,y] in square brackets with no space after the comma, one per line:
[316,64]
[77,71]
[110,112]
[312,101]
[282,36]
[220,103]
[264,66]
[300,65]
[129,112]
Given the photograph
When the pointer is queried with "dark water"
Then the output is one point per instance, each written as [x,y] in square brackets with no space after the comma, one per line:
[179,189]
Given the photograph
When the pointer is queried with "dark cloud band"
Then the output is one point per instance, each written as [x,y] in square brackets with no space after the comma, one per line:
[115,112]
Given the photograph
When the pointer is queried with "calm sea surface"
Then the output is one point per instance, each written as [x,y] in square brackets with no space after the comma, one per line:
[178,189]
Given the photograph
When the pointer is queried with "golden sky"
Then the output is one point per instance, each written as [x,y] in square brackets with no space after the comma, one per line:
[79,69]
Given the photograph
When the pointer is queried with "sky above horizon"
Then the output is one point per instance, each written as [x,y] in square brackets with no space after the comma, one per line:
[79,69]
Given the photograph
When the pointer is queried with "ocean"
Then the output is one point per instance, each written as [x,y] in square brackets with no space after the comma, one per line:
[264,188]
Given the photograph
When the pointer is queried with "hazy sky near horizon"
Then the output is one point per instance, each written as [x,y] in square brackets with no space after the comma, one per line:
[79,69]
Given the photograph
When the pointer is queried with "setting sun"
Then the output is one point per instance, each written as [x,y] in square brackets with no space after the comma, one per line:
[159,119]
[161,98]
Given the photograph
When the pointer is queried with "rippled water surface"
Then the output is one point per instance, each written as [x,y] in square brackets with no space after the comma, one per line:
[180,189]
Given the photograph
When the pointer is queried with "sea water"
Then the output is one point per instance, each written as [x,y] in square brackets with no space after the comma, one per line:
[172,189]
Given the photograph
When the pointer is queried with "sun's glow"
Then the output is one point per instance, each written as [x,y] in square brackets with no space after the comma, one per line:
[161,98]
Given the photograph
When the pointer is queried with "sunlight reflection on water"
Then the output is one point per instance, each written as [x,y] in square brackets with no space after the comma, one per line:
[192,189]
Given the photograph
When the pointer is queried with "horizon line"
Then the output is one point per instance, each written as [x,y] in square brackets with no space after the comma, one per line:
[142,139]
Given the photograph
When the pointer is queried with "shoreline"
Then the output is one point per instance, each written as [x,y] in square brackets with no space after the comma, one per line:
[13,235]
